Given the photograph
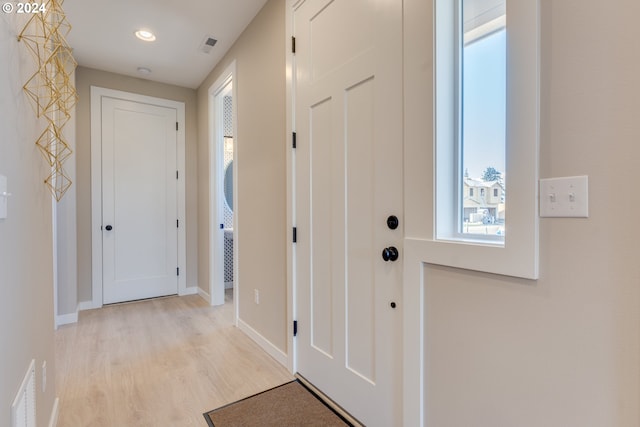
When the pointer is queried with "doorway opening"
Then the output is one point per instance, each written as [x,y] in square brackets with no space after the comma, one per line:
[223,172]
[226,179]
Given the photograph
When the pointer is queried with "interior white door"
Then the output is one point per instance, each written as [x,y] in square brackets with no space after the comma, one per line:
[348,120]
[139,191]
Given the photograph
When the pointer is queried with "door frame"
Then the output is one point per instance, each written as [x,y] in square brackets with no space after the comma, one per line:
[292,359]
[216,192]
[97,93]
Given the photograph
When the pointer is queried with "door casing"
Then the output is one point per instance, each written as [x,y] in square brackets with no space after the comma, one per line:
[216,251]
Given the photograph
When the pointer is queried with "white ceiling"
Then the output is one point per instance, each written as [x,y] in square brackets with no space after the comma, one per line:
[102,35]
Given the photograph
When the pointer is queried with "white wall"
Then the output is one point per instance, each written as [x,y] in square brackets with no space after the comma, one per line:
[563,350]
[26,269]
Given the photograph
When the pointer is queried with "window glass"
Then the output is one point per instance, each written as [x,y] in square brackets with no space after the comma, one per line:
[482,116]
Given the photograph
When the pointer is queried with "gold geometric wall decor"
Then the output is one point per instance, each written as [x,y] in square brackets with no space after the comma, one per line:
[41,93]
[50,89]
[58,182]
[53,146]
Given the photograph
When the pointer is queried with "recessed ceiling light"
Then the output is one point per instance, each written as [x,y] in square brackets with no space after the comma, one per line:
[144,70]
[145,35]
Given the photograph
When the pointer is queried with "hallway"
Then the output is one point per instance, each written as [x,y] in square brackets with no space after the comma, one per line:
[160,362]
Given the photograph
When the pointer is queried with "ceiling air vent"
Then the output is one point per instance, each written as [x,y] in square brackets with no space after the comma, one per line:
[208,43]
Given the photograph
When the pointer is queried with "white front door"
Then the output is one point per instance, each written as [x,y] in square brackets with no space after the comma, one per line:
[348,162]
[139,200]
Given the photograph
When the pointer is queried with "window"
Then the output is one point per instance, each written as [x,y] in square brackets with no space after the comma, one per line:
[471,118]
[486,135]
[481,120]
[432,170]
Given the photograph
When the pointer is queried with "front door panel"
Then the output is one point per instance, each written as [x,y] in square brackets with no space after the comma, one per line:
[348,182]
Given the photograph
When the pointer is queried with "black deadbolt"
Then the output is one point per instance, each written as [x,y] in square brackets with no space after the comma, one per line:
[393,305]
[393,222]
[390,253]
[109,228]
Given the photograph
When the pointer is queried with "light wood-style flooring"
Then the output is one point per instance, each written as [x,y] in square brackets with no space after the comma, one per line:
[161,362]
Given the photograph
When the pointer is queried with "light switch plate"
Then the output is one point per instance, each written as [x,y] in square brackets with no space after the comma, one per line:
[564,197]
[3,197]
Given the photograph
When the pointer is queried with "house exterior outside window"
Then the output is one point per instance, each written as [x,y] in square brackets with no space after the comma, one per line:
[488,206]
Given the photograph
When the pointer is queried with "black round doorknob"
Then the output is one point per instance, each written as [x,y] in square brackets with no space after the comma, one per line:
[108,228]
[393,222]
[390,253]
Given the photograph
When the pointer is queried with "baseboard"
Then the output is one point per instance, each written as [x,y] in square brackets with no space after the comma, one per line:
[89,305]
[53,420]
[86,305]
[192,290]
[66,319]
[265,344]
[204,294]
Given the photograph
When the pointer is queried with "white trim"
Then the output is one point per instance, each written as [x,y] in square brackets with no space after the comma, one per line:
[413,336]
[53,419]
[23,407]
[190,290]
[216,250]
[54,238]
[96,185]
[182,198]
[203,294]
[65,241]
[96,199]
[485,29]
[273,351]
[86,305]
[291,212]
[66,319]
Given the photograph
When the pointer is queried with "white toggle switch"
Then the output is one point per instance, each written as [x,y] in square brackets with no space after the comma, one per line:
[565,197]
[4,196]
